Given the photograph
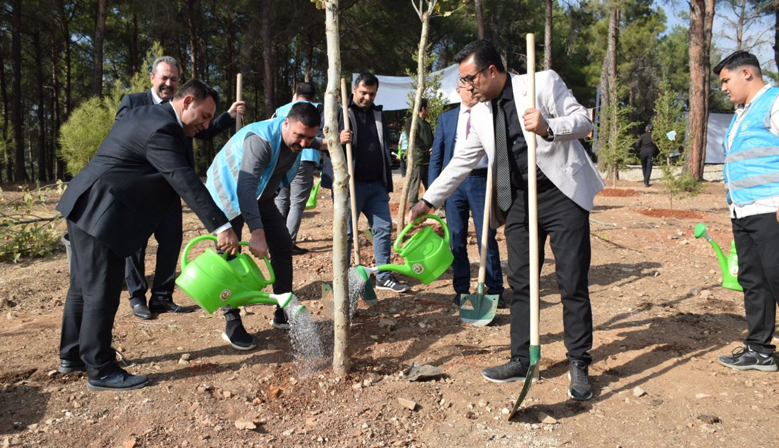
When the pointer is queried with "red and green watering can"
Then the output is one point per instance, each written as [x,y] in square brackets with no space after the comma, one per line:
[212,281]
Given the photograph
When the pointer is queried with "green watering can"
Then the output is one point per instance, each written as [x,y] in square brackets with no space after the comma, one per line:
[311,202]
[728,265]
[212,281]
[427,255]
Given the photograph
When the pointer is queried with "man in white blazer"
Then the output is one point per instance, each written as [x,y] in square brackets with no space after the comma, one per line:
[567,184]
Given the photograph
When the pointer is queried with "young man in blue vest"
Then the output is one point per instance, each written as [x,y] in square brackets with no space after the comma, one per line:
[752,185]
[243,180]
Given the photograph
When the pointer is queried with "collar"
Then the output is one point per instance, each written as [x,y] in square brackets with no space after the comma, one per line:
[155,98]
[464,108]
[176,113]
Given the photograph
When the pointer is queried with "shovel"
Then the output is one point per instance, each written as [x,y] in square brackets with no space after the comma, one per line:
[479,309]
[535,347]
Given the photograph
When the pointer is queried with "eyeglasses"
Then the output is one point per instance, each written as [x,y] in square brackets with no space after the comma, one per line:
[468,80]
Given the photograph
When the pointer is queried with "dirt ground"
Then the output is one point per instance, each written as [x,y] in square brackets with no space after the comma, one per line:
[661,320]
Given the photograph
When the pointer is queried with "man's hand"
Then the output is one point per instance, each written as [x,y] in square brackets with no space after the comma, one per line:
[238,107]
[257,245]
[418,210]
[227,241]
[534,122]
[346,136]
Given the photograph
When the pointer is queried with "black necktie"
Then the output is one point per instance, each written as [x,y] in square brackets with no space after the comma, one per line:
[503,175]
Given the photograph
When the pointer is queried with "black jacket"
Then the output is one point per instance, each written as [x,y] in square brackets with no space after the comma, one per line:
[139,171]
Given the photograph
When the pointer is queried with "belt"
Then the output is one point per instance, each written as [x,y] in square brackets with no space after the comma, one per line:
[480,172]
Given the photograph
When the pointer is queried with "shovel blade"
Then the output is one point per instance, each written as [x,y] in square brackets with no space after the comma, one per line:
[478,309]
[531,373]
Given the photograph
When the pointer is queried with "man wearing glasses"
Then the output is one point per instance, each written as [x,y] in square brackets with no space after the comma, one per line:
[567,185]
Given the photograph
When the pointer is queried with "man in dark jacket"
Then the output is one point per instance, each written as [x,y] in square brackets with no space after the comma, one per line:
[112,207]
[647,150]
[164,78]
[422,144]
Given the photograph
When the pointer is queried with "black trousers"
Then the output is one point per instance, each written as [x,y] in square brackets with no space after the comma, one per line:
[757,245]
[279,245]
[90,306]
[169,236]
[646,166]
[568,228]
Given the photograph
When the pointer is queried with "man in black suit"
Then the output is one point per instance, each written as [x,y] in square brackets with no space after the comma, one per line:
[112,207]
[164,78]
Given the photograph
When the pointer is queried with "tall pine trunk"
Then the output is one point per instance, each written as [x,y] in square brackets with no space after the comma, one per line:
[480,18]
[701,19]
[97,44]
[608,77]
[267,56]
[20,173]
[548,25]
[193,12]
[341,346]
[41,153]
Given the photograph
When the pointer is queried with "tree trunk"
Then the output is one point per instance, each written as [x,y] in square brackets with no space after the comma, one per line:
[776,33]
[97,43]
[548,24]
[53,168]
[4,95]
[740,25]
[342,363]
[41,156]
[65,24]
[192,8]
[310,56]
[135,57]
[20,173]
[701,20]
[267,56]
[608,77]
[415,116]
[480,18]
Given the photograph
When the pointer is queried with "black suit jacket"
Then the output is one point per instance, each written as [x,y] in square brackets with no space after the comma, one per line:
[139,171]
[133,100]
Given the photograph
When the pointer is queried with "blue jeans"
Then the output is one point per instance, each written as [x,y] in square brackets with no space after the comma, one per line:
[373,201]
[470,196]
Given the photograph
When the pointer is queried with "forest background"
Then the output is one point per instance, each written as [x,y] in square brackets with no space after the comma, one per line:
[58,54]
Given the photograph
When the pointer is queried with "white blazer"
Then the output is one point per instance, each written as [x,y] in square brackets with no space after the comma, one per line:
[563,160]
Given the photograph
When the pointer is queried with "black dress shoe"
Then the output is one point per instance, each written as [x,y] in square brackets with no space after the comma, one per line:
[141,311]
[70,365]
[118,380]
[298,250]
[167,306]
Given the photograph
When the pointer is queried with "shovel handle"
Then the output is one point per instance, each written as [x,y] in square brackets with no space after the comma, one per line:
[403,233]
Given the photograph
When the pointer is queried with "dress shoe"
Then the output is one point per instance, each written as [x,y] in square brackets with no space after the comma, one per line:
[70,365]
[167,306]
[141,311]
[298,250]
[118,380]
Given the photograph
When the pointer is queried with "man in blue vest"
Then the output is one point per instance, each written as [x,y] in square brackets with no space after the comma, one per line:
[752,185]
[454,127]
[243,180]
[292,199]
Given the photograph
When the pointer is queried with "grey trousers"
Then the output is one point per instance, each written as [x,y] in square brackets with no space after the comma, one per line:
[291,200]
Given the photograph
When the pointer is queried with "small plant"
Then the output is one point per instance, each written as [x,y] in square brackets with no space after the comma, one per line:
[436,101]
[27,228]
[614,137]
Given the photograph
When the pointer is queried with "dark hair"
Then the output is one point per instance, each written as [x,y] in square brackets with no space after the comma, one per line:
[367,79]
[305,113]
[166,59]
[198,89]
[738,59]
[423,103]
[649,127]
[484,55]
[306,90]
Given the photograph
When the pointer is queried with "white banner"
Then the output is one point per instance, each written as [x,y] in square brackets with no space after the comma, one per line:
[393,90]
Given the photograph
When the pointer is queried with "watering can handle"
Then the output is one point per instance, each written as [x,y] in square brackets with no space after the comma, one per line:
[185,256]
[412,224]
[272,279]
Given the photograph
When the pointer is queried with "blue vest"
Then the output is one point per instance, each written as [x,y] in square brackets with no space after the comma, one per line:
[222,180]
[308,154]
[751,168]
